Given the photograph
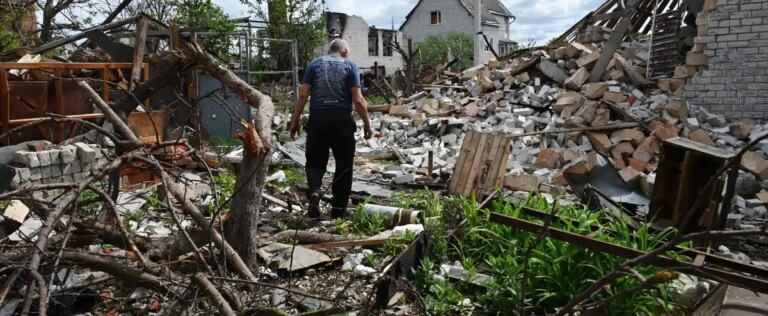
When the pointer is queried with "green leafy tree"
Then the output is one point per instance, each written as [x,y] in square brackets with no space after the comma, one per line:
[434,49]
[292,19]
[204,15]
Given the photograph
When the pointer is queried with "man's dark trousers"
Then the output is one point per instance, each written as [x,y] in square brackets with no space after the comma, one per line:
[334,131]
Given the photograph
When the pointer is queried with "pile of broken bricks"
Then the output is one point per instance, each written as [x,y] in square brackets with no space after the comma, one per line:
[561,123]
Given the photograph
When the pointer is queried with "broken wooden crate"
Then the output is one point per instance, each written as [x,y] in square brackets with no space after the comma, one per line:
[684,170]
[481,165]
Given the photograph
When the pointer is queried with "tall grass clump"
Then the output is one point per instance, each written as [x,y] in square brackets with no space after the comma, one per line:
[556,270]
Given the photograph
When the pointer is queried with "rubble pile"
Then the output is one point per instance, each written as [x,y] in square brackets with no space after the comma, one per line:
[561,123]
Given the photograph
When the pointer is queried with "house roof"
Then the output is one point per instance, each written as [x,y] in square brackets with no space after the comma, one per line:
[490,8]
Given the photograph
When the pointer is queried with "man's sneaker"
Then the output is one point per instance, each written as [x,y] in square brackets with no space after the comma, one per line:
[314,205]
[338,212]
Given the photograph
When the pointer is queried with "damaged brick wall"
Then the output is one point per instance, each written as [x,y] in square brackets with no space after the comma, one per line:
[734,44]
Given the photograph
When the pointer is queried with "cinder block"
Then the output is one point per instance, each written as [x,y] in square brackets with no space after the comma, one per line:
[46,172]
[55,153]
[56,171]
[85,153]
[26,158]
[44,157]
[35,173]
[68,154]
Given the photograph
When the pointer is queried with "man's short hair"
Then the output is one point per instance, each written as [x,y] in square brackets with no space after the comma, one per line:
[337,46]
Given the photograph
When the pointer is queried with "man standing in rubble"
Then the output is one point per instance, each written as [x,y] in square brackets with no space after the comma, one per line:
[333,82]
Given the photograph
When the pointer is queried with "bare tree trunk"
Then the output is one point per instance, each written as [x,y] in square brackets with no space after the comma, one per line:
[242,229]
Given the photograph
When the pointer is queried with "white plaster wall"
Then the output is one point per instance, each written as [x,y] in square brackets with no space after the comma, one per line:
[356,34]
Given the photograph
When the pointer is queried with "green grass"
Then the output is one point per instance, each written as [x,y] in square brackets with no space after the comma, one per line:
[362,223]
[557,270]
[376,99]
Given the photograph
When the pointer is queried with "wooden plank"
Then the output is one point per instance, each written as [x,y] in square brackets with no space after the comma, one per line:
[5,100]
[145,78]
[347,244]
[502,166]
[617,37]
[469,158]
[471,185]
[488,176]
[459,167]
[105,84]
[88,116]
[138,51]
[58,104]
[59,42]
[51,65]
[681,199]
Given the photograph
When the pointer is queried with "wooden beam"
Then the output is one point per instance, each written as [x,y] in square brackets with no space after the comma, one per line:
[613,43]
[58,105]
[120,125]
[138,51]
[87,116]
[76,66]
[5,100]
[63,41]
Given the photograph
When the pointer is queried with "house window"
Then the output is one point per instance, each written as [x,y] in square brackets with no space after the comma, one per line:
[373,42]
[507,47]
[435,17]
[388,38]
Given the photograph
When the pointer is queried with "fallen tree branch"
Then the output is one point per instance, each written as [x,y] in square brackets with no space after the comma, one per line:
[627,265]
[214,294]
[121,271]
[190,208]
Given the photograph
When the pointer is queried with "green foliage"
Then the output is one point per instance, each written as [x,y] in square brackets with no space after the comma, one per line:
[291,19]
[225,188]
[89,203]
[204,15]
[294,176]
[10,39]
[434,49]
[376,99]
[557,270]
[362,223]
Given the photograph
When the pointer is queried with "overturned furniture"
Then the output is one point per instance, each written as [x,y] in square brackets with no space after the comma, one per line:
[53,89]
[684,168]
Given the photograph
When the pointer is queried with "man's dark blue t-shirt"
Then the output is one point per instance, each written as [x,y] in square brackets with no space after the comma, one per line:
[331,79]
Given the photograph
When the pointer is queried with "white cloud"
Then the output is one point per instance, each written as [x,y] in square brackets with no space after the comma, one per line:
[540,20]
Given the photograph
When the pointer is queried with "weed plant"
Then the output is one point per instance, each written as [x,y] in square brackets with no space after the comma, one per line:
[557,271]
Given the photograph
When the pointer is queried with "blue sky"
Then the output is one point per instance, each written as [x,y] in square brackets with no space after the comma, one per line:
[539,20]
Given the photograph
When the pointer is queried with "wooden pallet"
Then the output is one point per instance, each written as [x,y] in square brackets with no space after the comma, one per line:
[665,45]
[481,165]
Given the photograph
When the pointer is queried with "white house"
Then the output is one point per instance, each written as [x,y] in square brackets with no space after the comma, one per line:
[370,46]
[438,17]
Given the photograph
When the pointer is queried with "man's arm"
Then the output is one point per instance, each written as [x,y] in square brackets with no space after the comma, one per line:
[361,107]
[304,91]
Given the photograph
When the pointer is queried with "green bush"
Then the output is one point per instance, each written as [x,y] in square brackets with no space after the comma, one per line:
[434,49]
[557,271]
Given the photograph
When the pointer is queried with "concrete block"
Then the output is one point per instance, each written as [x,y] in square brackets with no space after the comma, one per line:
[68,154]
[56,171]
[85,153]
[35,174]
[46,172]
[26,158]
[523,182]
[23,174]
[44,157]
[55,156]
